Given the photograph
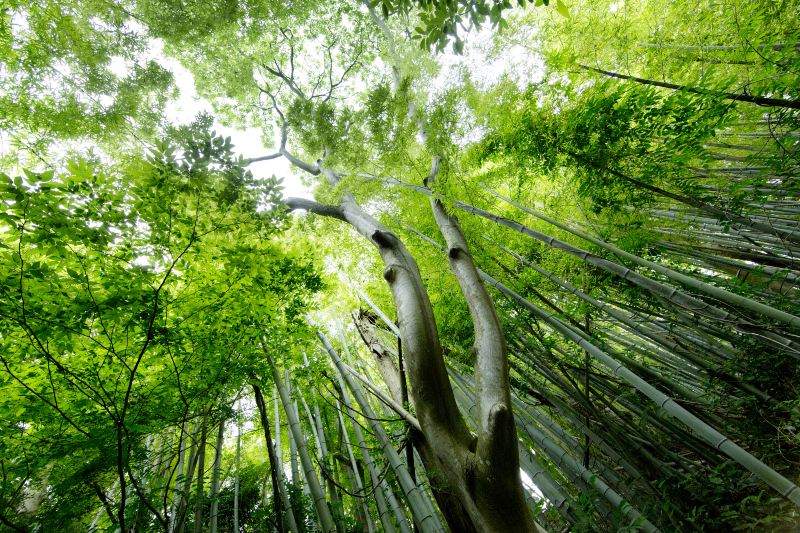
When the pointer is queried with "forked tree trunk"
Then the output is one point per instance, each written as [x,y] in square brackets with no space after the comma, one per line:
[482,489]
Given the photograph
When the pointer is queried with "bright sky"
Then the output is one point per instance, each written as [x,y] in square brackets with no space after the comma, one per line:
[247,142]
[516,62]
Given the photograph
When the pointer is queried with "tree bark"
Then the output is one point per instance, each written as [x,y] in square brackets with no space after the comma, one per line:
[274,465]
[318,497]
[496,484]
[383,357]
[214,493]
[473,500]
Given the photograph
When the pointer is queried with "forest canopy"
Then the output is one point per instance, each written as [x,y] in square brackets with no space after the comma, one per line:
[543,279]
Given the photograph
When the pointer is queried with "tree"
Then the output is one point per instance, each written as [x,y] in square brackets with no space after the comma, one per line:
[479,477]
[633,216]
[111,321]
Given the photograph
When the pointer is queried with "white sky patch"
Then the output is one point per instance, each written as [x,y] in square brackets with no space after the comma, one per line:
[530,486]
[19,24]
[118,66]
[246,142]
[487,68]
[105,100]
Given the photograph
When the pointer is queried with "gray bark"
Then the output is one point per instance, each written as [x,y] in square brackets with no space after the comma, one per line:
[320,505]
[215,477]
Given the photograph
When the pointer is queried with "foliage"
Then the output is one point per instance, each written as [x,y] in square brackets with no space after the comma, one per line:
[62,63]
[109,303]
[144,295]
[440,21]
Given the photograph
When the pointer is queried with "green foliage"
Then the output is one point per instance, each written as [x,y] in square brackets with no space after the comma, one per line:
[61,62]
[121,284]
[390,127]
[136,289]
[440,21]
[614,129]
[319,126]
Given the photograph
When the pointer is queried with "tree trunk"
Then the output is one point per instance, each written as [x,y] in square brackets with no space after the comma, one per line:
[237,466]
[667,292]
[278,492]
[200,492]
[320,505]
[383,357]
[477,498]
[214,493]
[183,503]
[418,502]
[293,457]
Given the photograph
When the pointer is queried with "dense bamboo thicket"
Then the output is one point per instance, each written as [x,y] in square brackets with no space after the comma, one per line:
[547,280]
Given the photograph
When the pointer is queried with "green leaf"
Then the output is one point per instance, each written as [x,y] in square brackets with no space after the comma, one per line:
[562,8]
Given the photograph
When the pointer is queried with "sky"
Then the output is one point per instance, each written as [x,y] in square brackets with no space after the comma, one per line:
[486,69]
[246,142]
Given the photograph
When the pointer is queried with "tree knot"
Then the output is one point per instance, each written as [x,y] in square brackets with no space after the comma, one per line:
[454,252]
[382,238]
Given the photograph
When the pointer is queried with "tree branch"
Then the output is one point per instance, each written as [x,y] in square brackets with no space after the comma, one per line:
[496,430]
[252,160]
[325,210]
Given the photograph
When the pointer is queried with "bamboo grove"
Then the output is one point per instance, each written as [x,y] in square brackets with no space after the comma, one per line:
[583,313]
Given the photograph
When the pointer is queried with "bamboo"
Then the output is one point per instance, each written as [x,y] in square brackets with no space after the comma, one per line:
[416,499]
[716,292]
[214,494]
[715,439]
[359,483]
[181,512]
[237,466]
[184,437]
[201,471]
[318,497]
[639,328]
[380,500]
[284,495]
